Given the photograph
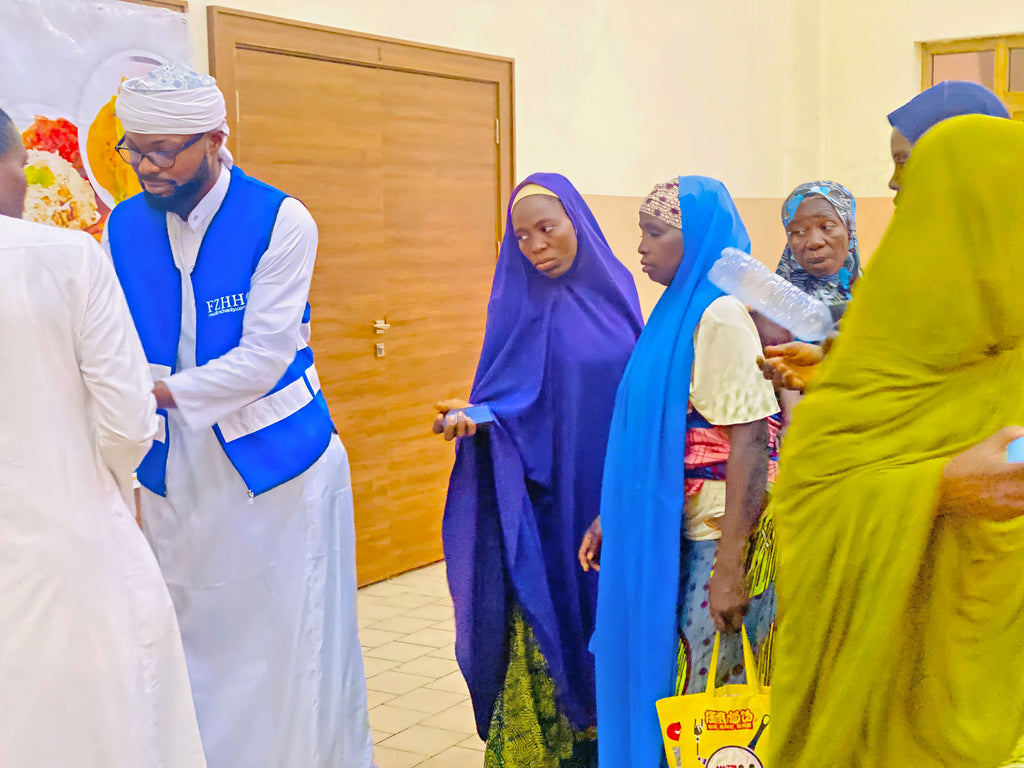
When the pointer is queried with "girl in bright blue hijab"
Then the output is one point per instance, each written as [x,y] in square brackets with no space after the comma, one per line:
[691,377]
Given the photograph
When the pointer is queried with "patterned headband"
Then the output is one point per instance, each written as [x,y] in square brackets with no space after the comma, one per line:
[663,203]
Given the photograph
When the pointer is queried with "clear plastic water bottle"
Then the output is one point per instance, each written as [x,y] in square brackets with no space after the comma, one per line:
[750,281]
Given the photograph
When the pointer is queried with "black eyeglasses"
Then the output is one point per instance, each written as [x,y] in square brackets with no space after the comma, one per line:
[164,158]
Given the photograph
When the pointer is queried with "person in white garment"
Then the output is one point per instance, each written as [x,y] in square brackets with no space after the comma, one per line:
[92,672]
[246,495]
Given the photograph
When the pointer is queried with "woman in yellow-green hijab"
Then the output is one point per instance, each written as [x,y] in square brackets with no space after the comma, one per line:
[901,573]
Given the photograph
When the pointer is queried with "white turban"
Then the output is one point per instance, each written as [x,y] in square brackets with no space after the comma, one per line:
[173,99]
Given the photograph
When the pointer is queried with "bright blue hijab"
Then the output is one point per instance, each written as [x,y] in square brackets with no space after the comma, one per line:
[635,642]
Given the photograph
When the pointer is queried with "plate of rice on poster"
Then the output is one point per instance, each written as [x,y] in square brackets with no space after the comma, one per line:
[59,192]
[61,65]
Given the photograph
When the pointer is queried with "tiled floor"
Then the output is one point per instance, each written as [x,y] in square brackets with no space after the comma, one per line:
[419,706]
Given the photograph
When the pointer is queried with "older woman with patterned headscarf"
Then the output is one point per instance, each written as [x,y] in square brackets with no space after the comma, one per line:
[821,256]
[793,365]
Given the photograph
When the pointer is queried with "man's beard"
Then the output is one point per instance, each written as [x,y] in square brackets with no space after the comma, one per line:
[184,196]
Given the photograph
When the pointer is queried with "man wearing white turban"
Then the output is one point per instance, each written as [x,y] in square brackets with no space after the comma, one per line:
[246,495]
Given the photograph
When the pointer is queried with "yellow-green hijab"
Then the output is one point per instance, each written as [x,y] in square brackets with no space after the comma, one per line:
[901,638]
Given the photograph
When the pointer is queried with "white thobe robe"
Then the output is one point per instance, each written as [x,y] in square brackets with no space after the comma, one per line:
[264,587]
[92,673]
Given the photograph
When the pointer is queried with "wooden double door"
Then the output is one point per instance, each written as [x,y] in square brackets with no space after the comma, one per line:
[398,152]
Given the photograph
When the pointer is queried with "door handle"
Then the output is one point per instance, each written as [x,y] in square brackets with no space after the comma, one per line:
[380,326]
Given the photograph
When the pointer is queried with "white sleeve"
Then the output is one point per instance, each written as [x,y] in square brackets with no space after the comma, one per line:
[114,370]
[727,386]
[271,329]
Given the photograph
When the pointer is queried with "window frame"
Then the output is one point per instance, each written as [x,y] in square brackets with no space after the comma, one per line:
[1001,44]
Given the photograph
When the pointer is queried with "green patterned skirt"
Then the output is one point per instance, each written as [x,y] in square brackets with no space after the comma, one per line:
[527,730]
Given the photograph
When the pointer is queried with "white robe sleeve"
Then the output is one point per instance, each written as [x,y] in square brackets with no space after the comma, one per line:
[114,370]
[271,330]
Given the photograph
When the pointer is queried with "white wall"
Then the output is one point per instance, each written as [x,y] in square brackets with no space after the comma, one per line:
[870,66]
[620,95]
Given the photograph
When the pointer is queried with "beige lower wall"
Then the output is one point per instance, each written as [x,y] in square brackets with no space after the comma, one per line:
[617,216]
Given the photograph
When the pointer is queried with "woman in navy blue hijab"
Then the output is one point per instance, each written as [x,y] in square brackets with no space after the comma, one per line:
[929,108]
[561,323]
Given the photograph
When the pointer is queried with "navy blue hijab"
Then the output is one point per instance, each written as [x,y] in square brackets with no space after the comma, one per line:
[941,102]
[523,493]
[635,643]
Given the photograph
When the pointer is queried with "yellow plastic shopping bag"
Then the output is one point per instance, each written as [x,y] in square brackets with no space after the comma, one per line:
[723,727]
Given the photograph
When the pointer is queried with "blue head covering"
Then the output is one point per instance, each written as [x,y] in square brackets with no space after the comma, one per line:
[834,289]
[941,102]
[636,640]
[523,493]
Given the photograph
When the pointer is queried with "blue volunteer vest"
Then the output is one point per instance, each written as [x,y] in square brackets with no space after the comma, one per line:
[273,439]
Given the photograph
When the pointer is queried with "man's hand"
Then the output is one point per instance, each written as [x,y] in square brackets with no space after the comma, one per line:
[164,398]
[981,483]
[454,425]
[590,549]
[791,366]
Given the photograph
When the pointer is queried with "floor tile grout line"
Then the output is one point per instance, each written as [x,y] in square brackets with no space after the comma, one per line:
[412,614]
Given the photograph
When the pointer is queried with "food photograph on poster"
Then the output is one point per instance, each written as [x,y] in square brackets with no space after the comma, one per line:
[61,65]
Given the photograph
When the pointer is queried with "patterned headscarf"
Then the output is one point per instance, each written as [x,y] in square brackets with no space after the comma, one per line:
[663,203]
[836,288]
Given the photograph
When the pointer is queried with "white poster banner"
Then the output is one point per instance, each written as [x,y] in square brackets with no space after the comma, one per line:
[61,64]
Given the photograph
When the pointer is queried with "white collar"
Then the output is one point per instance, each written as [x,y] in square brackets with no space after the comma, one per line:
[211,201]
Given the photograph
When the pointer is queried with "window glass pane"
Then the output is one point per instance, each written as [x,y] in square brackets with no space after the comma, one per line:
[1017,69]
[975,66]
